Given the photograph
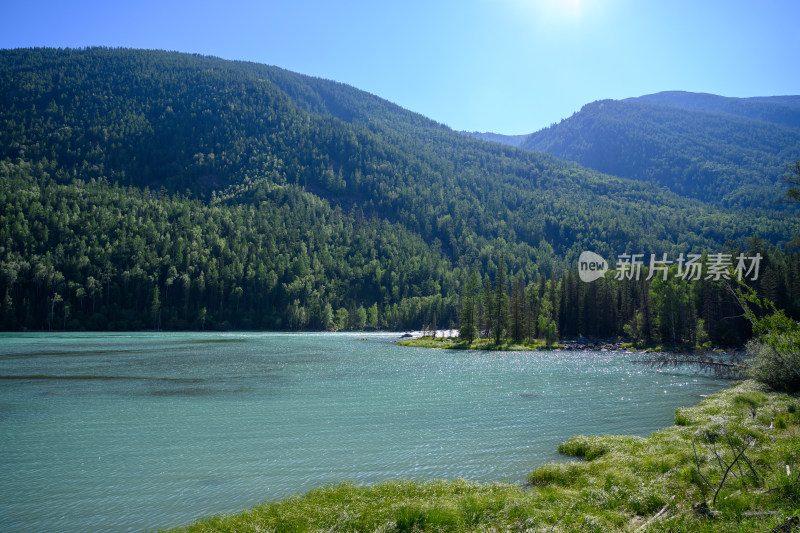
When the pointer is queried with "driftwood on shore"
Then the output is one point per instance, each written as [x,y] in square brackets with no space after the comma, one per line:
[727,366]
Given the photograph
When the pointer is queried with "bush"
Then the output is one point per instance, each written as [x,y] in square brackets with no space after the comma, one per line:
[681,419]
[551,474]
[585,447]
[409,517]
[776,362]
[775,348]
[415,517]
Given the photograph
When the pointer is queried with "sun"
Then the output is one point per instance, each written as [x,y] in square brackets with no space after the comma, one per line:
[570,8]
[554,11]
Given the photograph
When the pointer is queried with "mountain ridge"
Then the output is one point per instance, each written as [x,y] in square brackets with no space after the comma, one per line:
[784,110]
[207,155]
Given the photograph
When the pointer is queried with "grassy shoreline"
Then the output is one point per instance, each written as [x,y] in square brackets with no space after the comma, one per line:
[453,343]
[618,483]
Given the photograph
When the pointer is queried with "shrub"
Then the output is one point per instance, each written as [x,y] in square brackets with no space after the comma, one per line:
[550,474]
[681,419]
[585,447]
[775,349]
[409,517]
[776,362]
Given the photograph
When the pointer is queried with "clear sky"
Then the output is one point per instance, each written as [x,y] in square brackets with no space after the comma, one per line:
[507,66]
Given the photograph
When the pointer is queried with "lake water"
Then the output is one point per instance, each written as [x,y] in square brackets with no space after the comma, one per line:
[138,431]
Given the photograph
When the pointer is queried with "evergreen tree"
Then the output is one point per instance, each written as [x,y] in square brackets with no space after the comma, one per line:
[531,310]
[500,303]
[670,299]
[487,316]
[327,320]
[469,309]
[546,324]
[517,310]
[793,179]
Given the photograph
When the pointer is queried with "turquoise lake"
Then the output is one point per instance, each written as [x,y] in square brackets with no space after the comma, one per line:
[140,431]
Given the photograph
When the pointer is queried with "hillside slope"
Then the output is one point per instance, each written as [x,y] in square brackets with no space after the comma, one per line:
[784,110]
[157,189]
[728,152]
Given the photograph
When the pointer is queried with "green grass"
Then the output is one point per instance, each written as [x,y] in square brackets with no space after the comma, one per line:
[614,483]
[478,344]
[449,343]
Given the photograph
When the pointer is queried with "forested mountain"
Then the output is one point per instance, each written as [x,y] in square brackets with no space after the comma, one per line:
[148,189]
[783,110]
[726,151]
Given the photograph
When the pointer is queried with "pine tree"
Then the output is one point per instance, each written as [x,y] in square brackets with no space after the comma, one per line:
[469,309]
[487,321]
[793,179]
[500,303]
[517,310]
[531,310]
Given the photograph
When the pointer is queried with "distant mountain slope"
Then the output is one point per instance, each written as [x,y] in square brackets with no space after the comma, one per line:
[729,152]
[510,140]
[783,110]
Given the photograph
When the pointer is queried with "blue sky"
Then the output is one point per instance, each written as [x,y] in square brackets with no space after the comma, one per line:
[508,66]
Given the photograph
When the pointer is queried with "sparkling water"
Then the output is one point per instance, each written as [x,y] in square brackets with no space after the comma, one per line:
[139,431]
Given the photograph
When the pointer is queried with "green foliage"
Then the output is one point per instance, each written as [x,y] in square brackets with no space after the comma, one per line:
[775,349]
[146,189]
[750,400]
[681,419]
[498,315]
[478,344]
[96,256]
[545,323]
[553,474]
[793,180]
[666,308]
[468,327]
[776,362]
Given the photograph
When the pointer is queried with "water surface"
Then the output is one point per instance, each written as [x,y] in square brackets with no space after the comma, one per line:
[139,431]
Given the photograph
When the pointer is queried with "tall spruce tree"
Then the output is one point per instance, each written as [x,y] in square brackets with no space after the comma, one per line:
[487,320]
[518,310]
[500,303]
[469,309]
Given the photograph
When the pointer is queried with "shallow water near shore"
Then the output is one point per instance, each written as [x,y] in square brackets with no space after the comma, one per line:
[139,431]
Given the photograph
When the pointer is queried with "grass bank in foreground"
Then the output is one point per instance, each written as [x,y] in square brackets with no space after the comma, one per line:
[732,463]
